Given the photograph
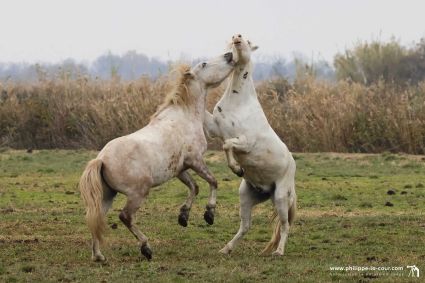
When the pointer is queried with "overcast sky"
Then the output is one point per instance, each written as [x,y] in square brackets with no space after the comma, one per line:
[53,30]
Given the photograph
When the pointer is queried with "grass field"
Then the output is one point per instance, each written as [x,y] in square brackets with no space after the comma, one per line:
[347,216]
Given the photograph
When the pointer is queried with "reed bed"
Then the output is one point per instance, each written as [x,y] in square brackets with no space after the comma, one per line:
[309,115]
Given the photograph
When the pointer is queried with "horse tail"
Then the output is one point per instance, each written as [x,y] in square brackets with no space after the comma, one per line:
[91,188]
[274,241]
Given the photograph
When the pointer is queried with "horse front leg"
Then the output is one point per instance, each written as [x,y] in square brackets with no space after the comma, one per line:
[186,179]
[238,144]
[202,171]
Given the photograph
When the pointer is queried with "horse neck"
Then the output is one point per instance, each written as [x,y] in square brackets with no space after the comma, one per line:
[245,95]
[241,83]
[197,108]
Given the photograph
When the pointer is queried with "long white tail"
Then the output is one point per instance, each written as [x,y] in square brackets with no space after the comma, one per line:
[92,193]
[274,241]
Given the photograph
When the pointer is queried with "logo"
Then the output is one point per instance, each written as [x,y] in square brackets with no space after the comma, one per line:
[414,271]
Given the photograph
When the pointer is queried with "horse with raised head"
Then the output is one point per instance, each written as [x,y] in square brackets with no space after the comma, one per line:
[254,151]
[167,147]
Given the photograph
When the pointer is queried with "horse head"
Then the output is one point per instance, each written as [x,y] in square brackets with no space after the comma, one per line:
[242,48]
[211,73]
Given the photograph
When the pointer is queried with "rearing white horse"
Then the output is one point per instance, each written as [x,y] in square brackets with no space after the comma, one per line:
[254,151]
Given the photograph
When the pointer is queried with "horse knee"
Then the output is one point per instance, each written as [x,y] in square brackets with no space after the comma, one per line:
[227,146]
[214,183]
[281,203]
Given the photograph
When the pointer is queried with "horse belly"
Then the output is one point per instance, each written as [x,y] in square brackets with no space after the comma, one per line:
[169,163]
[167,171]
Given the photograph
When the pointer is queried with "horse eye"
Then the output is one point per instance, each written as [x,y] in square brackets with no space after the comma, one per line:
[239,35]
[203,65]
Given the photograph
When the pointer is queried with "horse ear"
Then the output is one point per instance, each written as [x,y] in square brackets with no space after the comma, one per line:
[253,47]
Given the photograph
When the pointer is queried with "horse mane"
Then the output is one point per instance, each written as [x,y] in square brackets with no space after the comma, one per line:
[179,95]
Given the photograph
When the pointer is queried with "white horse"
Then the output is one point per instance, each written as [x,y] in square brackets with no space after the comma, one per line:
[171,143]
[254,151]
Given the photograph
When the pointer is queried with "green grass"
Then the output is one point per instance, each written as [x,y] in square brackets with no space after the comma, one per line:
[342,221]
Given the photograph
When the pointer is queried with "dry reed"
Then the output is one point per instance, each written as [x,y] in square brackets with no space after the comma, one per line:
[309,115]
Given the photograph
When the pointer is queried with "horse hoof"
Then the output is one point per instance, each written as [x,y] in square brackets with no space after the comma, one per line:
[183,219]
[277,254]
[240,172]
[225,251]
[209,217]
[146,251]
[98,258]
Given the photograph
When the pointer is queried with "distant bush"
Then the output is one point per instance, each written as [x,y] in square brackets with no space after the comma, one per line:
[369,63]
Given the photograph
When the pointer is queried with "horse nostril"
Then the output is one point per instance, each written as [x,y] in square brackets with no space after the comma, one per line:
[228,56]
[203,65]
[240,36]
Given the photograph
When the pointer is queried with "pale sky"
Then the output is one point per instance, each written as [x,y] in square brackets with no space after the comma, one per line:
[53,30]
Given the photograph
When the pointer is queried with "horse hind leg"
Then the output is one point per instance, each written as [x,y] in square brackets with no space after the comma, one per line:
[186,179]
[108,198]
[285,204]
[247,201]
[127,217]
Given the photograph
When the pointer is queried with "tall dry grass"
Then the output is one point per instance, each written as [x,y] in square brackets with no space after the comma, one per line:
[65,113]
[309,115]
[348,117]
